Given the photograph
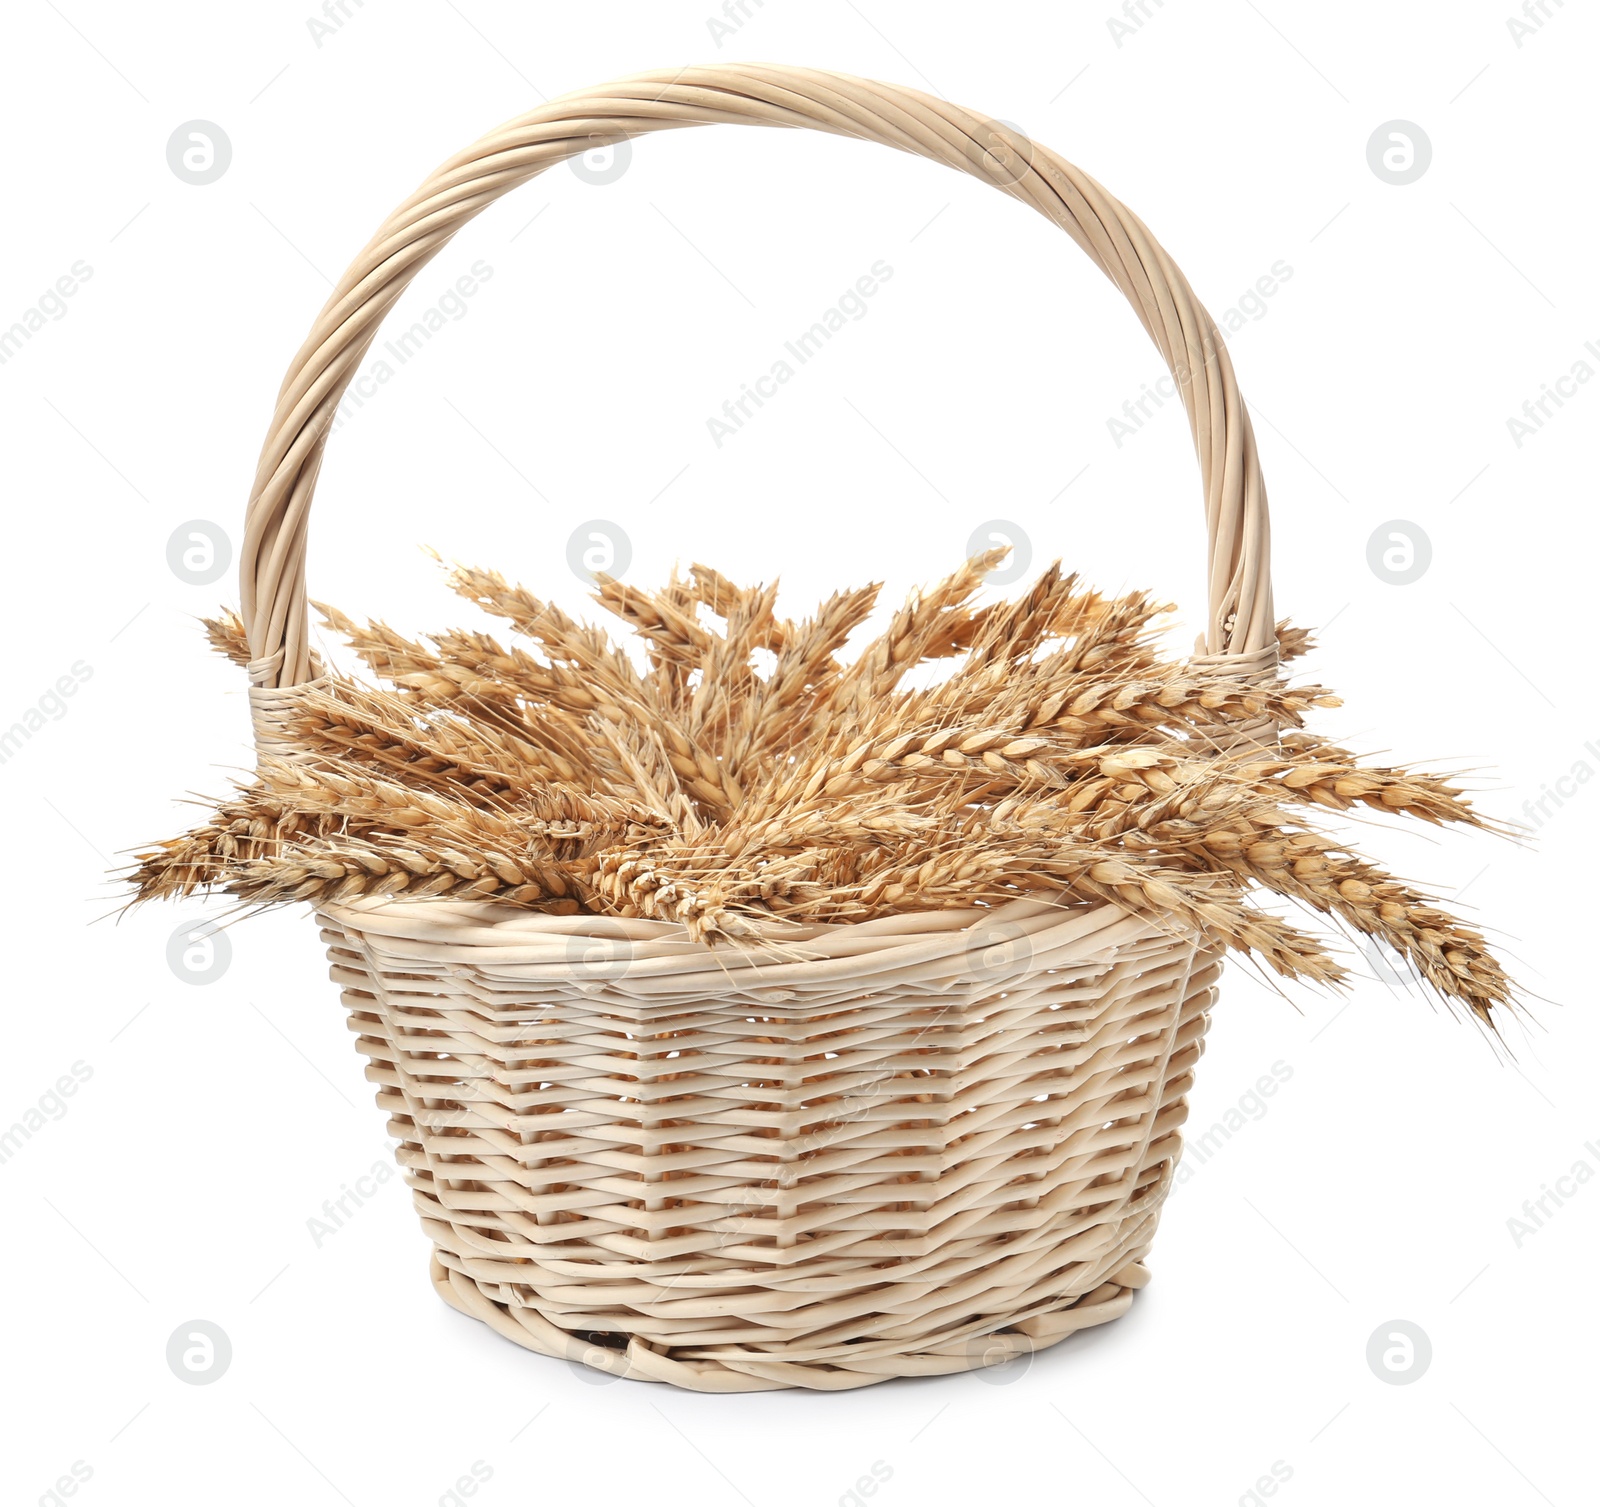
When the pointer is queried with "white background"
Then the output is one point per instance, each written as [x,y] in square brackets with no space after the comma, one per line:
[1380,1181]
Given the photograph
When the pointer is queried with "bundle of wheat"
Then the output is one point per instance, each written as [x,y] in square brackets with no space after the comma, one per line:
[1059,754]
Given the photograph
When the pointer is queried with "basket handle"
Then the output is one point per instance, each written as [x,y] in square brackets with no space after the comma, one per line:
[1239,626]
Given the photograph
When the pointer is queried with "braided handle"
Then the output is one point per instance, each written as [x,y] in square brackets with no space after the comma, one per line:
[1239,627]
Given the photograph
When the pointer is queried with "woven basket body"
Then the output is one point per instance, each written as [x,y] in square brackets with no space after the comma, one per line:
[910,1146]
[921,1146]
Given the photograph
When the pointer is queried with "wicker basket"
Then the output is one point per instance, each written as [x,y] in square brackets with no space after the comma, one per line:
[904,1147]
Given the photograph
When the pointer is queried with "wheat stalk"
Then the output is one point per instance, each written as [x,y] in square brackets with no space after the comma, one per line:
[344,867]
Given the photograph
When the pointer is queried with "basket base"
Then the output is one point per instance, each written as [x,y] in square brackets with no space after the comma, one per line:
[644,1362]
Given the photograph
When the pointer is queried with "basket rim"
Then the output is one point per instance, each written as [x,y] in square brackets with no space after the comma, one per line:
[591,954]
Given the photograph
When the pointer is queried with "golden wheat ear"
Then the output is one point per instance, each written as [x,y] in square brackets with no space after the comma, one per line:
[225,633]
